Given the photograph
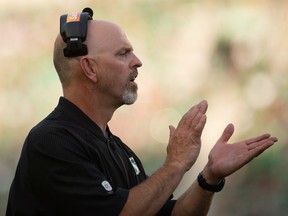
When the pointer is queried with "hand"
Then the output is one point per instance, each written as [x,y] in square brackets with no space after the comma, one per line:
[185,141]
[225,159]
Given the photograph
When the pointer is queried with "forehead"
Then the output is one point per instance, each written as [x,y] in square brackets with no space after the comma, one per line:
[106,36]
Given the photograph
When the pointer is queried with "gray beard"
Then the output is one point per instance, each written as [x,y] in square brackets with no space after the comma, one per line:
[129,97]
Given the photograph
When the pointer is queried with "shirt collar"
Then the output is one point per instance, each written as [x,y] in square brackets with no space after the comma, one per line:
[70,112]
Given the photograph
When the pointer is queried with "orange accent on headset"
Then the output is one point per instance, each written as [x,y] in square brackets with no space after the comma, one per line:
[74,17]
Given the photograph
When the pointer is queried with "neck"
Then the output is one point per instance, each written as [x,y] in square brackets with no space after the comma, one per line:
[93,107]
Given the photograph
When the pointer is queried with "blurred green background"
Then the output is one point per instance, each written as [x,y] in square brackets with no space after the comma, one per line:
[232,53]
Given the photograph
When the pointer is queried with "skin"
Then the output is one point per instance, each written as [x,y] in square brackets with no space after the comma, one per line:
[103,80]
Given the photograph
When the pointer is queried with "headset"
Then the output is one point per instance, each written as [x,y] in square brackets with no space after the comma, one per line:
[73,29]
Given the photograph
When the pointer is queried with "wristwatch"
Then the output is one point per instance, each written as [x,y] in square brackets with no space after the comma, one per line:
[213,188]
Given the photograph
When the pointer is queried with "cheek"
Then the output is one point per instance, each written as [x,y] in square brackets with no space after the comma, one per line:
[116,75]
[113,74]
[112,81]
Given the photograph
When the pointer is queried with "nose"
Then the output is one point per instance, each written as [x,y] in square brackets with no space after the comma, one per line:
[136,63]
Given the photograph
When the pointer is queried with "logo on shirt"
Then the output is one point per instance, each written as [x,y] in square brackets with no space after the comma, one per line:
[106,186]
[133,162]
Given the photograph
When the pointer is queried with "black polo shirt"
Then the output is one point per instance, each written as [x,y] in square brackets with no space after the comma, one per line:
[68,167]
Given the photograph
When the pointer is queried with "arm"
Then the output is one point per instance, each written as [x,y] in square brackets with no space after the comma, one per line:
[182,151]
[224,159]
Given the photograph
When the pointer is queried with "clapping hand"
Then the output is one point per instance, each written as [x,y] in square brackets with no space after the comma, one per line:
[225,159]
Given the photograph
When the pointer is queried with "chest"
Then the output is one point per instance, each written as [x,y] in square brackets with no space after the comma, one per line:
[119,165]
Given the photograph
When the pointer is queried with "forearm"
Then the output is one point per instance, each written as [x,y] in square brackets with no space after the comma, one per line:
[148,197]
[182,151]
[194,202]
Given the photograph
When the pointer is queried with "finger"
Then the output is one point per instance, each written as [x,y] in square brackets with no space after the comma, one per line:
[200,126]
[200,116]
[188,116]
[259,149]
[172,130]
[204,106]
[262,144]
[193,116]
[201,107]
[196,120]
[227,133]
[256,139]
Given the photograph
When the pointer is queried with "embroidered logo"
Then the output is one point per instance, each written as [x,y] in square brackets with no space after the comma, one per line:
[106,186]
[133,162]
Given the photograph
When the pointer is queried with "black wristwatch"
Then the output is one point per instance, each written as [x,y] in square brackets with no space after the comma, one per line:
[213,188]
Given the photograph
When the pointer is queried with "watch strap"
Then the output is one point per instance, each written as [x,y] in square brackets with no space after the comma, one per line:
[213,188]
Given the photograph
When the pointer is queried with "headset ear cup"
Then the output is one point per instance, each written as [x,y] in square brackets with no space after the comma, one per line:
[63,19]
[73,29]
[75,49]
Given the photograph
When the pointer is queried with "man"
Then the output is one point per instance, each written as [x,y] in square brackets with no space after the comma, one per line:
[71,164]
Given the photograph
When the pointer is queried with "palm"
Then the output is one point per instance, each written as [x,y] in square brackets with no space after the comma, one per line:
[225,159]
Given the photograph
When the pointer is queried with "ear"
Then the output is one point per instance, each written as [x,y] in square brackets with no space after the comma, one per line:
[89,68]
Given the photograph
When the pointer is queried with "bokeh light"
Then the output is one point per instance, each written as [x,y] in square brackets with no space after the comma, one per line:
[231,53]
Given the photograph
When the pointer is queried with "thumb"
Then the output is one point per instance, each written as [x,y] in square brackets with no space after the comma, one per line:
[227,133]
[172,130]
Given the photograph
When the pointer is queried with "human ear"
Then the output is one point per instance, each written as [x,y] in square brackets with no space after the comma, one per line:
[89,68]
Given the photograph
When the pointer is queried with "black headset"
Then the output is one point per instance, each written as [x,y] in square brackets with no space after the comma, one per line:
[73,29]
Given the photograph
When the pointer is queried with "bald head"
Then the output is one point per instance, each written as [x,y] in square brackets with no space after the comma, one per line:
[101,36]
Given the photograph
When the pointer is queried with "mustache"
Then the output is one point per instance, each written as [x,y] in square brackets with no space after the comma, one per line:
[133,75]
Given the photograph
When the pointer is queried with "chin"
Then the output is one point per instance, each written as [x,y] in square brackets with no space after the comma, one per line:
[129,98]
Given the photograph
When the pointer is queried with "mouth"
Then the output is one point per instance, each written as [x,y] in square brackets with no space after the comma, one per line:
[133,76]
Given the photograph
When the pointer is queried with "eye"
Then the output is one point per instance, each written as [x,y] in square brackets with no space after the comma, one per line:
[124,52]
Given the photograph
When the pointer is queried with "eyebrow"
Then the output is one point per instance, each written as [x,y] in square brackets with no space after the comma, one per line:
[125,48]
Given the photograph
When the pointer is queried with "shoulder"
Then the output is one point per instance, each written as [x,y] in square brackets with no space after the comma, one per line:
[58,129]
[55,137]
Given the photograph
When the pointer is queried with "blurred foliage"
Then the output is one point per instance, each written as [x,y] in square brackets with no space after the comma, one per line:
[232,53]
